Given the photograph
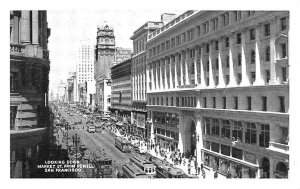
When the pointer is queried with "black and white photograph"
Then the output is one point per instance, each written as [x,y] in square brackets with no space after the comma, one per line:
[183,93]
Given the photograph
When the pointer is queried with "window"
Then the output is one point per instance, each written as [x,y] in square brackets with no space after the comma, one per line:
[172,101]
[215,147]
[207,65]
[207,81]
[162,101]
[283,50]
[215,127]
[207,126]
[120,96]
[207,48]
[238,38]
[284,78]
[198,31]
[214,102]
[252,57]
[236,105]
[217,63]
[267,29]
[252,77]
[267,76]
[267,54]
[225,150]
[217,80]
[264,103]
[225,19]
[248,102]
[216,45]
[284,135]
[264,136]
[225,131]
[237,153]
[183,38]
[177,101]
[239,78]
[239,59]
[157,101]
[237,131]
[227,61]
[204,102]
[227,42]
[281,104]
[167,101]
[227,79]
[13,113]
[252,34]
[250,135]
[153,101]
[149,101]
[283,23]
[224,102]
[14,82]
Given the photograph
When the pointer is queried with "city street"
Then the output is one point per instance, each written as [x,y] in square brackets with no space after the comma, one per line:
[97,141]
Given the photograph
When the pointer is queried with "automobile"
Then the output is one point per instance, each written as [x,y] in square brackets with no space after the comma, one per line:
[91,128]
[82,147]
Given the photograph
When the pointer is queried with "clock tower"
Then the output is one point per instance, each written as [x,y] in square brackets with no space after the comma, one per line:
[104,58]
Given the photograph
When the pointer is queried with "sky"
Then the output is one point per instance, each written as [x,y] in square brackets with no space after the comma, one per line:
[69,27]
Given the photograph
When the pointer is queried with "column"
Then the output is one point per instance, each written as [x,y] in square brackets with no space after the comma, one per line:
[15,30]
[166,77]
[152,76]
[25,26]
[232,79]
[210,72]
[171,71]
[181,142]
[199,138]
[245,77]
[259,80]
[231,17]
[160,74]
[35,27]
[181,68]
[175,70]
[271,167]
[221,74]
[203,85]
[186,60]
[273,74]
[147,76]
[145,80]
[156,75]
[195,64]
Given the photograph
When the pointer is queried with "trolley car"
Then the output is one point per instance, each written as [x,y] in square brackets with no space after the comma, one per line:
[144,164]
[122,144]
[130,170]
[164,169]
[103,163]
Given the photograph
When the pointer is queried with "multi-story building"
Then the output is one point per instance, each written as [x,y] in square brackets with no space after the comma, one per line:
[121,101]
[121,55]
[218,88]
[29,70]
[104,58]
[71,88]
[139,91]
[85,63]
[62,92]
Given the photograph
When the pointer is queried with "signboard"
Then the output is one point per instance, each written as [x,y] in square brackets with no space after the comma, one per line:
[140,120]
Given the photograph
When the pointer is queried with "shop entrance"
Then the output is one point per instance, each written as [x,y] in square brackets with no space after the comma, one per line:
[265,166]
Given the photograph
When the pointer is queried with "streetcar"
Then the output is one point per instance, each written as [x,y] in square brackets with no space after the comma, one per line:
[98,129]
[144,164]
[130,170]
[164,169]
[102,162]
[122,144]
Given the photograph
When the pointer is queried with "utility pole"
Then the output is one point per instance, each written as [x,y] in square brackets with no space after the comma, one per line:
[76,140]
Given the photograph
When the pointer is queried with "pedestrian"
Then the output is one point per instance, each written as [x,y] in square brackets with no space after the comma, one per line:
[229,176]
[198,172]
[216,174]
[203,173]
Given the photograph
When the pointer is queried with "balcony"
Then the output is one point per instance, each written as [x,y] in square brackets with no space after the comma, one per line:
[278,146]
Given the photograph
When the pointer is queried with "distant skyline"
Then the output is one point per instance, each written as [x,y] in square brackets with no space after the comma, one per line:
[69,27]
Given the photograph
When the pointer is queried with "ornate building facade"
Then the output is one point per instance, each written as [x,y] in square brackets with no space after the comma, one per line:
[218,88]
[29,70]
[104,59]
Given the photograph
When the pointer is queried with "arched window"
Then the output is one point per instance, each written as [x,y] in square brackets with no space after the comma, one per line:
[267,53]
[252,57]
[239,59]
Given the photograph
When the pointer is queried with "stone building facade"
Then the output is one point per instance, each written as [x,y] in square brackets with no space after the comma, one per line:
[29,112]
[218,88]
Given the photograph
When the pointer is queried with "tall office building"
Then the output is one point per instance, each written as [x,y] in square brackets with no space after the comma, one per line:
[85,64]
[29,71]
[218,88]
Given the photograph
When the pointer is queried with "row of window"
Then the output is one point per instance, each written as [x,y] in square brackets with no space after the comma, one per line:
[248,101]
[167,133]
[254,133]
[167,119]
